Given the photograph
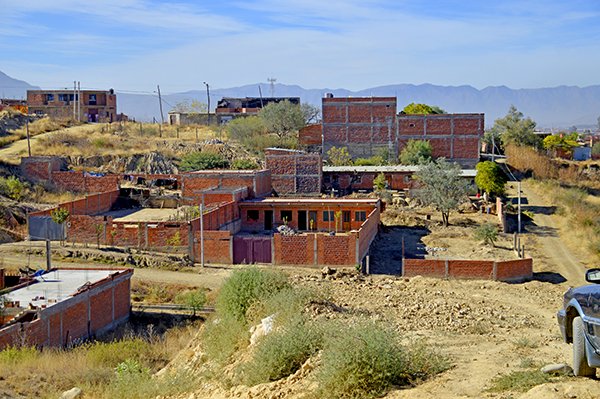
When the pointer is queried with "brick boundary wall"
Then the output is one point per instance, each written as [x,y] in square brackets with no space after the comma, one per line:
[40,168]
[511,270]
[101,307]
[80,182]
[315,249]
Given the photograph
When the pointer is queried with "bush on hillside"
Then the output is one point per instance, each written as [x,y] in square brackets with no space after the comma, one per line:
[201,161]
[244,163]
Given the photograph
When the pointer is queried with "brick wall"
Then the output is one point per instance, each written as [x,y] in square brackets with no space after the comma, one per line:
[80,182]
[367,233]
[364,125]
[350,181]
[40,168]
[217,247]
[258,182]
[90,205]
[294,172]
[315,249]
[311,135]
[104,305]
[513,270]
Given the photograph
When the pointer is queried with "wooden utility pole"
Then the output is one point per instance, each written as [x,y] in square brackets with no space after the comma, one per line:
[27,130]
[208,107]
[162,117]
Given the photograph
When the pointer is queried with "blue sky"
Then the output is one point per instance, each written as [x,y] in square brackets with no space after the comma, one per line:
[132,45]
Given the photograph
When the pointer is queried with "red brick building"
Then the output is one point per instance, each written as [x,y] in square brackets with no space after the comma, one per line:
[293,171]
[64,306]
[84,105]
[370,125]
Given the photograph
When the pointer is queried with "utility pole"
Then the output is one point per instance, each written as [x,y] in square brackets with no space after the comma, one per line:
[272,83]
[27,130]
[202,232]
[208,100]
[78,101]
[260,94]
[162,117]
[74,103]
[493,146]
[519,208]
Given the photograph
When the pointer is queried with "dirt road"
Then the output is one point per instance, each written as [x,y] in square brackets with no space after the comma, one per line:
[558,256]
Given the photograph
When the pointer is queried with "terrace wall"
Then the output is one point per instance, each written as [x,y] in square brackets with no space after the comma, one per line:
[93,311]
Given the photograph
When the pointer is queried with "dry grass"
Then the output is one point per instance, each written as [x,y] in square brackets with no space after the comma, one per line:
[31,373]
[120,139]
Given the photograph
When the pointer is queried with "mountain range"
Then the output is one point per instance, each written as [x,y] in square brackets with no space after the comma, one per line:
[557,107]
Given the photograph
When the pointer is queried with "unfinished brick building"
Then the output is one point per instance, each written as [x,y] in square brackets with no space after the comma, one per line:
[293,171]
[64,306]
[82,105]
[370,126]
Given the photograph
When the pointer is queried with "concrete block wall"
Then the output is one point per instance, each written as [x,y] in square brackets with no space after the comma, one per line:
[294,172]
[512,270]
[93,311]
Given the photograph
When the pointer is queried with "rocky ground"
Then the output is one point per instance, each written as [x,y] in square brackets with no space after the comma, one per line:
[487,329]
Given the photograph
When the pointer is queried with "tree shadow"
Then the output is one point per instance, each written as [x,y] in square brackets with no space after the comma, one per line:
[386,250]
[544,210]
[542,231]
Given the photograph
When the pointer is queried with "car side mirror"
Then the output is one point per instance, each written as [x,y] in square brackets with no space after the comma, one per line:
[593,276]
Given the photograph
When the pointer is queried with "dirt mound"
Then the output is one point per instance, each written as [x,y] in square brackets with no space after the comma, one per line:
[13,120]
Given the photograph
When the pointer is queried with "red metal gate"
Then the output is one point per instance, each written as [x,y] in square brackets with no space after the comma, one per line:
[248,250]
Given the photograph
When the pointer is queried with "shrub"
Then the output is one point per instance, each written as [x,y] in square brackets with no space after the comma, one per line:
[244,163]
[223,336]
[339,156]
[282,352]
[112,353]
[195,299]
[519,381]
[375,160]
[380,183]
[487,232]
[416,152]
[490,178]
[366,360]
[245,287]
[202,160]
[12,188]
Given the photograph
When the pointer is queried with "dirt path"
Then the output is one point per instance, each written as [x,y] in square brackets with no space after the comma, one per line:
[545,228]
[12,154]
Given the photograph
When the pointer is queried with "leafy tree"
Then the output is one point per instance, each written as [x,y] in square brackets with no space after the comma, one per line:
[490,178]
[202,160]
[379,183]
[60,216]
[339,156]
[422,109]
[487,233]
[416,152]
[242,129]
[560,142]
[493,140]
[12,188]
[282,118]
[310,113]
[515,129]
[190,106]
[442,186]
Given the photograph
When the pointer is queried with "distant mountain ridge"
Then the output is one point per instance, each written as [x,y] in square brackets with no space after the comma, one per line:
[14,88]
[557,107]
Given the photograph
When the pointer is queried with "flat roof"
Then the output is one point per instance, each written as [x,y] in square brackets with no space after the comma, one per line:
[386,168]
[57,285]
[144,214]
[224,172]
[334,201]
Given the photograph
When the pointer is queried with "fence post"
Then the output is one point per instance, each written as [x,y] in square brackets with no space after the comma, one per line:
[446,269]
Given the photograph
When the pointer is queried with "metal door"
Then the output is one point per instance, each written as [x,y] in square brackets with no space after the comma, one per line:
[249,250]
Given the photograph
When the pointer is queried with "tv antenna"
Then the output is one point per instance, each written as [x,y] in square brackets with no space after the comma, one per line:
[272,83]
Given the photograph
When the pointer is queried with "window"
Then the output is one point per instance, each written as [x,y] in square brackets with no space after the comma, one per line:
[92,100]
[49,97]
[360,216]
[252,215]
[286,216]
[406,179]
[65,97]
[328,216]
[335,178]
[327,179]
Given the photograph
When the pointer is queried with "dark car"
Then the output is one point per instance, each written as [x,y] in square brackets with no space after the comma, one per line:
[579,322]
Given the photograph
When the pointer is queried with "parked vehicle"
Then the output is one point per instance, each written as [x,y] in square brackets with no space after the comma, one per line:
[579,322]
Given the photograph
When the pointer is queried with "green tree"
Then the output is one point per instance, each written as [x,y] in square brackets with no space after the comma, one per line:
[596,148]
[60,216]
[442,186]
[416,152]
[244,163]
[561,141]
[202,160]
[282,118]
[380,183]
[490,178]
[515,129]
[493,141]
[195,299]
[12,188]
[421,109]
[339,156]
[487,232]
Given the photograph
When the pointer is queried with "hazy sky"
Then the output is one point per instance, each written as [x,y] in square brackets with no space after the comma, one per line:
[135,44]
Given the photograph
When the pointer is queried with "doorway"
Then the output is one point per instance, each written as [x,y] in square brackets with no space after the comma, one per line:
[312,220]
[269,220]
[346,220]
[302,221]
